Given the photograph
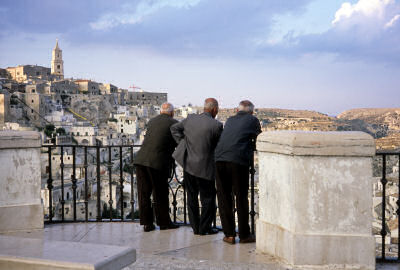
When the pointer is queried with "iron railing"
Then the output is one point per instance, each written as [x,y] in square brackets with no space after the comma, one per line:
[386,249]
[106,162]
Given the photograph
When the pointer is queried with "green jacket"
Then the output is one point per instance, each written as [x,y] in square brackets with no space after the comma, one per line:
[158,144]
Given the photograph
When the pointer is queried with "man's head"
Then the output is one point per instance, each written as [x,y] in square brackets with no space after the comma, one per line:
[211,106]
[246,106]
[167,108]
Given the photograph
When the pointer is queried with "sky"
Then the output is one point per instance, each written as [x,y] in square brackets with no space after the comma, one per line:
[322,55]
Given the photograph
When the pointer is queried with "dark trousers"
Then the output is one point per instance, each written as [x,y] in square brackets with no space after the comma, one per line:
[152,181]
[233,182]
[201,224]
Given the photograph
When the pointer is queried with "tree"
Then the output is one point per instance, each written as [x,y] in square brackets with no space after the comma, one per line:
[60,131]
[49,130]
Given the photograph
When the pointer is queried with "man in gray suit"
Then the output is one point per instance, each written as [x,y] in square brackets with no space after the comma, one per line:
[197,136]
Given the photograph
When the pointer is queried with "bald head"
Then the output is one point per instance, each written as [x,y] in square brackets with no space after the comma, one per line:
[246,106]
[211,106]
[167,108]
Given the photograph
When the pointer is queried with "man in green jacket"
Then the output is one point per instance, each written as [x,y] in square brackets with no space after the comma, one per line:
[153,165]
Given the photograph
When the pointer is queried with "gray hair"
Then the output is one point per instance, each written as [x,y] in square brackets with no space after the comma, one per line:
[167,107]
[246,106]
[210,104]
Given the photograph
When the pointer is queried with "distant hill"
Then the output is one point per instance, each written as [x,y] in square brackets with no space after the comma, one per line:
[384,117]
[291,113]
[368,113]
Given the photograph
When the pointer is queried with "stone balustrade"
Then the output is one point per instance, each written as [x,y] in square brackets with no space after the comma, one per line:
[315,198]
[20,181]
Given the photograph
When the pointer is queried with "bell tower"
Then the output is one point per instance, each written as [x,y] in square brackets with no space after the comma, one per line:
[57,64]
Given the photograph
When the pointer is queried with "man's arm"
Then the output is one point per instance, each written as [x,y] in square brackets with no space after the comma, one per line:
[257,131]
[177,131]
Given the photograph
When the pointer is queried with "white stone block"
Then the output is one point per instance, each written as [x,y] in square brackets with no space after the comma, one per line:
[20,181]
[315,198]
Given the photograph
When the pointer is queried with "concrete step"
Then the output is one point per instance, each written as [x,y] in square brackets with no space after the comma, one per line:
[38,254]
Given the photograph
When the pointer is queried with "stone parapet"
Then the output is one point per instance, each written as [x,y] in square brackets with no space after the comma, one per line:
[315,198]
[310,143]
[20,181]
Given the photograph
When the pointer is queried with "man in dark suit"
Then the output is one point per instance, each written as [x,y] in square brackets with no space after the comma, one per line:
[197,136]
[153,166]
[233,155]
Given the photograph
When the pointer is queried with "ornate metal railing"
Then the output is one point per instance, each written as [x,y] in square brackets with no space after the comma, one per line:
[103,184]
[387,251]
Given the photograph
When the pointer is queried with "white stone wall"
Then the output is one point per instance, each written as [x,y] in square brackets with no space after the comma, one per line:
[315,198]
[20,203]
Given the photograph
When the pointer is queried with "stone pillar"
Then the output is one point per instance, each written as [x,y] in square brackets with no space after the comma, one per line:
[20,181]
[315,198]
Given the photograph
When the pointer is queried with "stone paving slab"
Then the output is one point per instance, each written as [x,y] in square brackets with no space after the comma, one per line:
[30,253]
[170,249]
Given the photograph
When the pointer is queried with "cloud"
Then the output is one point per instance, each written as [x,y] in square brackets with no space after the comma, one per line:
[133,14]
[366,31]
[392,22]
[361,10]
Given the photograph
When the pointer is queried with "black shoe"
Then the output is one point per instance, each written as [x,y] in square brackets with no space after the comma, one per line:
[169,226]
[149,228]
[210,231]
[249,239]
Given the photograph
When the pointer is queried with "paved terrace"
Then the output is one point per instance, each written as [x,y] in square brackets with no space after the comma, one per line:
[168,249]
[317,216]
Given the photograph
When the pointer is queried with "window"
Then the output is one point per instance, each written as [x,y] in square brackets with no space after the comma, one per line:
[32,101]
[125,204]
[77,133]
[122,131]
[31,111]
[58,66]
[86,133]
[67,196]
[37,73]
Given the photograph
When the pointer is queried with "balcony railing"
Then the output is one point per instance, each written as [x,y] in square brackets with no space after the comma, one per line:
[386,250]
[102,160]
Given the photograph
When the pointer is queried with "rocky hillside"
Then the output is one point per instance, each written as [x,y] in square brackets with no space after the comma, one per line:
[388,117]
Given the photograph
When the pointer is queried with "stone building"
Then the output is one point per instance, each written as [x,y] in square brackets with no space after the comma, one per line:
[64,87]
[4,108]
[24,73]
[146,98]
[88,87]
[35,107]
[3,73]
[57,63]
[108,88]
[84,134]
[39,88]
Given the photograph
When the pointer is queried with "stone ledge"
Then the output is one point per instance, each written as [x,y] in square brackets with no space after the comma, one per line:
[309,143]
[19,139]
[21,218]
[25,253]
[304,251]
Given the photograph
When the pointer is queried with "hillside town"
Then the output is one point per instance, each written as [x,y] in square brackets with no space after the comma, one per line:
[71,111]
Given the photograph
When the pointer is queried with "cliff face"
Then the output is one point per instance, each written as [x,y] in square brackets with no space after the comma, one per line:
[389,117]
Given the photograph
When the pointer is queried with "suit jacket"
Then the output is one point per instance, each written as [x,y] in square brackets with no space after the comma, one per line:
[197,136]
[238,139]
[158,144]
